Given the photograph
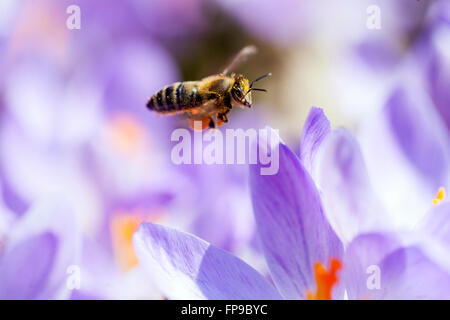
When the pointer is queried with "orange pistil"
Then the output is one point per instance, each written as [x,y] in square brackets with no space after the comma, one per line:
[440,196]
[325,280]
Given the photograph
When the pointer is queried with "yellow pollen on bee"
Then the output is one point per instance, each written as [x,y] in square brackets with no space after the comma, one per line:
[325,280]
[440,196]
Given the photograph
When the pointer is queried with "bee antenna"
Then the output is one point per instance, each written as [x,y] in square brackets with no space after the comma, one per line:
[258,89]
[255,89]
[259,78]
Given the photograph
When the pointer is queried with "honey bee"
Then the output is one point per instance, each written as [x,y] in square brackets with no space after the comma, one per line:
[210,99]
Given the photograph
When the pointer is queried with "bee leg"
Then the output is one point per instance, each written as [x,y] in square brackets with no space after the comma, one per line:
[223,117]
[227,102]
[212,124]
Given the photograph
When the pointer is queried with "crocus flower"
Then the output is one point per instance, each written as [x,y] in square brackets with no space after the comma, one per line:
[188,267]
[298,243]
[403,105]
[335,161]
[402,102]
[412,163]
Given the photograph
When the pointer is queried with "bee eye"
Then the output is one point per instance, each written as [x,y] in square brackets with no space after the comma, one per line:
[237,93]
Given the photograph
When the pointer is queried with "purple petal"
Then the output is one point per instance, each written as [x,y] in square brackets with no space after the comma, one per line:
[290,220]
[436,223]
[403,272]
[417,134]
[315,130]
[10,198]
[348,198]
[405,193]
[438,67]
[439,82]
[377,53]
[186,267]
[56,219]
[362,256]
[26,267]
[408,273]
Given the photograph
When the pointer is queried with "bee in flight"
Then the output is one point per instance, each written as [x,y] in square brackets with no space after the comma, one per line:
[210,99]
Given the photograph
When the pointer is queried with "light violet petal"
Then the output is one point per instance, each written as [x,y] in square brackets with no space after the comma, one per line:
[377,266]
[186,267]
[436,223]
[408,273]
[291,223]
[56,218]
[349,201]
[433,233]
[26,267]
[316,128]
[26,165]
[362,260]
[420,136]
[405,193]
[438,67]
[11,199]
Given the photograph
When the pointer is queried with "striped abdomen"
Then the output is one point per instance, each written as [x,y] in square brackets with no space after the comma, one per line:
[176,97]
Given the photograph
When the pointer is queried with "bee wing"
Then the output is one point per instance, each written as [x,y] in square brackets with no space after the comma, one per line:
[241,57]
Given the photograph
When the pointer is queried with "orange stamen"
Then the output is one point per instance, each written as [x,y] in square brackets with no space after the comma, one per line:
[325,280]
[440,196]
[123,227]
[126,133]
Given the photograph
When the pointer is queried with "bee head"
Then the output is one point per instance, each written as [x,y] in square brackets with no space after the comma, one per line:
[241,90]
